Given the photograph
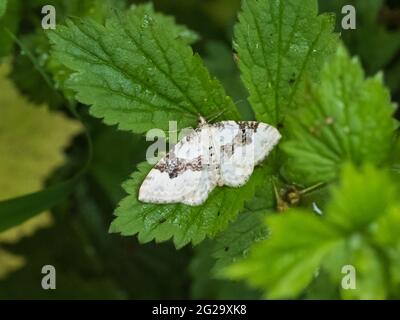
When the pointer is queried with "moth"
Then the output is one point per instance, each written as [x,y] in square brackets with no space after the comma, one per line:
[219,154]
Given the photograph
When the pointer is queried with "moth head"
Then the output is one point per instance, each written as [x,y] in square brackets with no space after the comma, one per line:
[202,121]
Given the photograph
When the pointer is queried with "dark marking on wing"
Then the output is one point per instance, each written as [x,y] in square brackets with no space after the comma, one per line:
[243,137]
[246,125]
[228,150]
[175,166]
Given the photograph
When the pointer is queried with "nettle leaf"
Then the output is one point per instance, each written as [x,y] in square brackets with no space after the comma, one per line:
[206,286]
[279,43]
[355,205]
[26,76]
[180,31]
[219,60]
[371,278]
[361,207]
[346,117]
[386,234]
[234,242]
[25,73]
[137,71]
[182,223]
[286,263]
[359,228]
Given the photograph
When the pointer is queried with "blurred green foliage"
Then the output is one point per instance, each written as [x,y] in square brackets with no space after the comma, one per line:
[274,260]
[353,231]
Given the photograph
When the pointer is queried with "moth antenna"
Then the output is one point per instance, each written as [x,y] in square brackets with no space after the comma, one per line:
[217,115]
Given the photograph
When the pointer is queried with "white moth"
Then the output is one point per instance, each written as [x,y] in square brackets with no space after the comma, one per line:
[218,154]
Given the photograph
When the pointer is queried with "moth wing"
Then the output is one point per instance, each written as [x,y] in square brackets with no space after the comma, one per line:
[181,176]
[266,137]
[242,145]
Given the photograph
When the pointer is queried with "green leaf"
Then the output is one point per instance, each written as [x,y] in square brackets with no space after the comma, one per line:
[182,223]
[371,275]
[34,50]
[138,72]
[386,230]
[279,44]
[361,206]
[322,288]
[368,268]
[179,31]
[385,233]
[26,76]
[234,242]
[344,118]
[220,61]
[366,208]
[359,228]
[204,284]
[17,210]
[286,263]
[354,205]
